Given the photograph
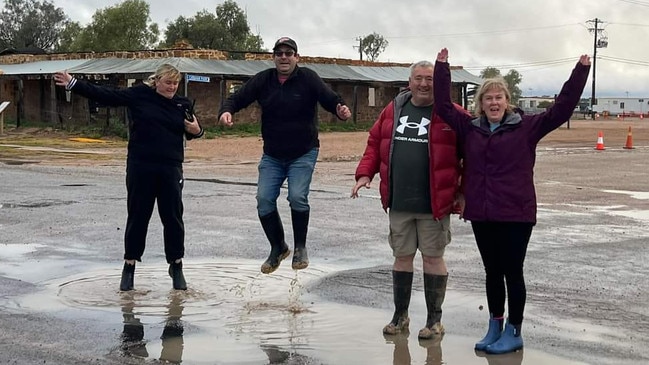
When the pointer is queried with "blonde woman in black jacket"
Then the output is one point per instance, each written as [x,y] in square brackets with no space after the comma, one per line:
[159,121]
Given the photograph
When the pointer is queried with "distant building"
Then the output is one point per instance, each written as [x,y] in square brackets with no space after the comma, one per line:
[530,104]
[622,105]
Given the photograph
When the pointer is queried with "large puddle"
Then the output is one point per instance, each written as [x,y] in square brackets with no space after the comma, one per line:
[232,314]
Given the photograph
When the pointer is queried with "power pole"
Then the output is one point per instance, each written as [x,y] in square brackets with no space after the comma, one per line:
[602,42]
[360,47]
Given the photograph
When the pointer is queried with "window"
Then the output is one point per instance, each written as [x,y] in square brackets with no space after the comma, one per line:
[234,87]
[371,96]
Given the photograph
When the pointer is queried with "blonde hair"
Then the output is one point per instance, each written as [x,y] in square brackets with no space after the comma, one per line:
[497,84]
[164,70]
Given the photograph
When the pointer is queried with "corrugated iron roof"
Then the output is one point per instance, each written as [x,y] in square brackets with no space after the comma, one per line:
[39,67]
[229,68]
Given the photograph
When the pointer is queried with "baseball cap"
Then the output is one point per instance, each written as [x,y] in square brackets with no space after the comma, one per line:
[285,41]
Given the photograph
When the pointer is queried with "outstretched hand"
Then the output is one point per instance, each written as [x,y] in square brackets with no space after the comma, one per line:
[62,78]
[584,60]
[442,56]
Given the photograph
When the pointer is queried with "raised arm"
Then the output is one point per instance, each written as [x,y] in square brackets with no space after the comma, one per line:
[106,95]
[444,107]
[567,99]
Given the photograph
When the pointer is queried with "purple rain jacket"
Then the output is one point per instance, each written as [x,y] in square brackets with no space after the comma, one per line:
[499,166]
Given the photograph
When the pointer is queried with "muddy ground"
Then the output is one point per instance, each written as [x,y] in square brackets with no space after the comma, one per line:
[586,267]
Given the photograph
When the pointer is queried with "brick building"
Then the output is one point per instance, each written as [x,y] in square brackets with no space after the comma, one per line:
[209,77]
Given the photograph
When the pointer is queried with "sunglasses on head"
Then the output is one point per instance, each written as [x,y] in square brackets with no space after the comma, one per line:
[285,53]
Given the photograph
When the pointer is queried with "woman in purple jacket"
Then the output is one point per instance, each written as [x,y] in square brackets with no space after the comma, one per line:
[499,154]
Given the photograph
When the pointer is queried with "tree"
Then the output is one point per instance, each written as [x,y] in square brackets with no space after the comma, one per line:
[226,29]
[372,46]
[30,23]
[68,36]
[545,104]
[490,72]
[513,79]
[124,27]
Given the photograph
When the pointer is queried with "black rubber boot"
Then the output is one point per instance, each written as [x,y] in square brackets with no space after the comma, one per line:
[177,277]
[274,230]
[128,275]
[172,343]
[300,222]
[132,336]
[401,290]
[133,331]
[173,328]
[434,292]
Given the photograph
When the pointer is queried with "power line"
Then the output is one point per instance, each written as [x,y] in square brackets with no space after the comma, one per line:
[631,24]
[635,2]
[501,31]
[624,61]
[531,64]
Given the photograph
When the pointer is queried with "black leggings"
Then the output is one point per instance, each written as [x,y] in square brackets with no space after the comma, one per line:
[146,184]
[503,246]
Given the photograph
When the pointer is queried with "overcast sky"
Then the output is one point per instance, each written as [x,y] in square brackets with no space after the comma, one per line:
[540,39]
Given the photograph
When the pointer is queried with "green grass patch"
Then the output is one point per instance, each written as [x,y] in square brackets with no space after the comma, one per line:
[254,129]
[116,130]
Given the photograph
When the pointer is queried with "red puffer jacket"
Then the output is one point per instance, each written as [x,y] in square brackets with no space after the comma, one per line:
[443,157]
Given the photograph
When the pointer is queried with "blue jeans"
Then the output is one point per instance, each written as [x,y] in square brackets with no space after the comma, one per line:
[272,174]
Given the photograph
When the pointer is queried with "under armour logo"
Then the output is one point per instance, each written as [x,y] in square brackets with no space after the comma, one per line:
[403,124]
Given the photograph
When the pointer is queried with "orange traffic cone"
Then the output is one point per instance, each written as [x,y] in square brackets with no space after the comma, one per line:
[600,141]
[629,140]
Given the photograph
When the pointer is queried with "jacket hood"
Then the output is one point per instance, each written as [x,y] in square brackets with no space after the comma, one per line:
[509,119]
[402,98]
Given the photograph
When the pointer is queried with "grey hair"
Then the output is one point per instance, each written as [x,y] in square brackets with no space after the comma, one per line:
[423,64]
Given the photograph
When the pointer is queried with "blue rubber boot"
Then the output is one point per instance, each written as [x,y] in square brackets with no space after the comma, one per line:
[510,341]
[493,334]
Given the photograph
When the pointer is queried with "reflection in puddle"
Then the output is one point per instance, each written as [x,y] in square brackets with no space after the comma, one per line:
[132,337]
[232,314]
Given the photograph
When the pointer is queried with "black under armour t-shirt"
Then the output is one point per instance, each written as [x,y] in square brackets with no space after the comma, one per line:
[410,167]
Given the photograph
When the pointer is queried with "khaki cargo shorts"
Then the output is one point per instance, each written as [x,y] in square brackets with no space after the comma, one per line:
[412,231]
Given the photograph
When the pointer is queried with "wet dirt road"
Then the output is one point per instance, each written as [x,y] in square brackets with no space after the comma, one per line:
[60,260]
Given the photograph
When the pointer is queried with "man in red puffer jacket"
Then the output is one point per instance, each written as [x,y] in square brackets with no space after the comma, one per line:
[417,161]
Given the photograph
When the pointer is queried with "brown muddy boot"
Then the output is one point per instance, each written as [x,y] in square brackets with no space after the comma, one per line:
[401,289]
[300,258]
[300,222]
[272,225]
[128,275]
[434,292]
